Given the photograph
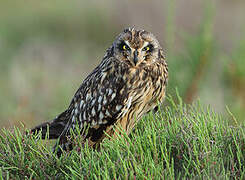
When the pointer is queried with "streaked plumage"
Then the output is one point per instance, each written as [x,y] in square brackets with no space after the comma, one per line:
[130,81]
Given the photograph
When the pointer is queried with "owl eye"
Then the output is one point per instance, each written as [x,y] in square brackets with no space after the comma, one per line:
[148,48]
[124,47]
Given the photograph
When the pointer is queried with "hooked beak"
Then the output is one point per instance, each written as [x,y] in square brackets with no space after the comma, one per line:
[135,57]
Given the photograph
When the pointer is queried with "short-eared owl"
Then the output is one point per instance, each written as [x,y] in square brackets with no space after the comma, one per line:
[130,81]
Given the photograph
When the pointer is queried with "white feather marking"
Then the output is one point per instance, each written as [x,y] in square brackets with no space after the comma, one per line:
[99,107]
[110,92]
[127,107]
[118,107]
[145,44]
[93,102]
[88,96]
[93,123]
[100,99]
[75,105]
[72,112]
[127,43]
[121,91]
[73,119]
[129,102]
[93,112]
[101,116]
[76,111]
[81,104]
[107,113]
[113,96]
[84,115]
[103,77]
[89,118]
[104,101]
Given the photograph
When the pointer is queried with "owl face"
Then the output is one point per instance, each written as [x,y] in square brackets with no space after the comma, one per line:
[136,47]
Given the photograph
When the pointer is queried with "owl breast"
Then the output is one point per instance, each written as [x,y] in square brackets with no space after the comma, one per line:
[145,88]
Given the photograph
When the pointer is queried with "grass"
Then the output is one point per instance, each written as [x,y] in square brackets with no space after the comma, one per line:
[179,142]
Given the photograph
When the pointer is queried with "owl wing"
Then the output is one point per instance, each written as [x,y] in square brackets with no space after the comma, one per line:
[101,99]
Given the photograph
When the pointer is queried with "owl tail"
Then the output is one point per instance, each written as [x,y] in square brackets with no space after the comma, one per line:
[52,128]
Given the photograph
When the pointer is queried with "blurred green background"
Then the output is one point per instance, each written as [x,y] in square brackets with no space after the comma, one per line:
[48,47]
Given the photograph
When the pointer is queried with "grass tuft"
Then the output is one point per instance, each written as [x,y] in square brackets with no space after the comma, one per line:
[180,141]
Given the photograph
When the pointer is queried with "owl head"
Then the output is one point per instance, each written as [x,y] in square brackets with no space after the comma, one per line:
[137,47]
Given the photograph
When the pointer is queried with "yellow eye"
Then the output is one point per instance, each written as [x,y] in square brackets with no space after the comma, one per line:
[147,48]
[125,47]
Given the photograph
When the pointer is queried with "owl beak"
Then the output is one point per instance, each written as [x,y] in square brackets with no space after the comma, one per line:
[135,57]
